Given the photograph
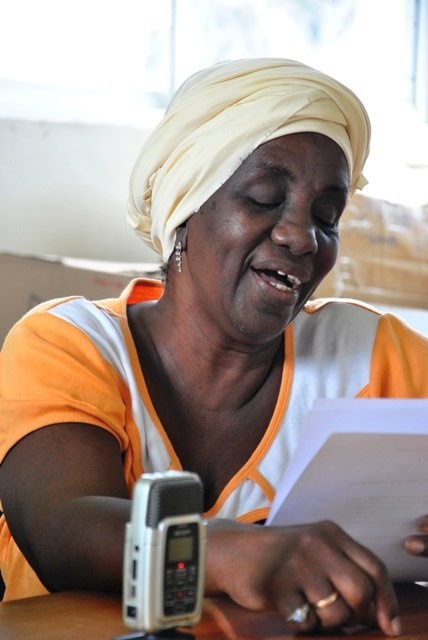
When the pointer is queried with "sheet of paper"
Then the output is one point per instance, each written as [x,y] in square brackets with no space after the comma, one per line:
[364,465]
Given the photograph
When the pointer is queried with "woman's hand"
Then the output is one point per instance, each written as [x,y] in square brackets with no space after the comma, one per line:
[417,545]
[283,568]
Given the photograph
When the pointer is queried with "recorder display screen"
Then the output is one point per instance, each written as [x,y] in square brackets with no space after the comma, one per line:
[180,549]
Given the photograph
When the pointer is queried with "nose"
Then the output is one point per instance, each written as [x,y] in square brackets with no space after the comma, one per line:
[297,232]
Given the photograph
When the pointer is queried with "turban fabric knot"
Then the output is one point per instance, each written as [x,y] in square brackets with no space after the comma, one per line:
[214,122]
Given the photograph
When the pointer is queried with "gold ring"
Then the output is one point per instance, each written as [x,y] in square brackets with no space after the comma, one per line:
[327,601]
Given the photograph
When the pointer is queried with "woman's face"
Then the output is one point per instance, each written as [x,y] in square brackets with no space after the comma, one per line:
[261,244]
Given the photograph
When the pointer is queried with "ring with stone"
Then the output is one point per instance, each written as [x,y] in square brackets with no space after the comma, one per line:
[300,614]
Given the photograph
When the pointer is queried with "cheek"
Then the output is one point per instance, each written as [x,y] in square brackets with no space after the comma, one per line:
[211,239]
[328,249]
[219,228]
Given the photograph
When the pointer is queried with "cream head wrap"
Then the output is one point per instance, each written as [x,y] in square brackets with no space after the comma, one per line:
[217,118]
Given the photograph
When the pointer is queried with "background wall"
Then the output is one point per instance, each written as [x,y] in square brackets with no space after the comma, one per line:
[77,92]
[64,190]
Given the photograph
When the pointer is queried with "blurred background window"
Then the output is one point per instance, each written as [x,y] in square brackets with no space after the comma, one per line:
[126,53]
[118,61]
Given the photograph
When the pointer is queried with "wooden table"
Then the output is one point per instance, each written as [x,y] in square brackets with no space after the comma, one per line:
[77,616]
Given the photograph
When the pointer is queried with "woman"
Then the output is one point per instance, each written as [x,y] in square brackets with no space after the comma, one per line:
[240,189]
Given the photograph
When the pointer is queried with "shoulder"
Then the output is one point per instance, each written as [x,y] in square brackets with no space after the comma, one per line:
[74,310]
[389,319]
[340,306]
[83,314]
[339,317]
[59,327]
[334,319]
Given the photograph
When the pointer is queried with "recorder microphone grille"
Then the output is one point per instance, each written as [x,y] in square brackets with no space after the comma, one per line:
[173,499]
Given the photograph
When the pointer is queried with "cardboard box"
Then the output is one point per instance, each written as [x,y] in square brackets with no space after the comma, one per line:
[27,280]
[383,255]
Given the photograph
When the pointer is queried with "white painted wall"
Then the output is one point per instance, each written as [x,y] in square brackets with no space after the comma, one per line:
[64,186]
[63,190]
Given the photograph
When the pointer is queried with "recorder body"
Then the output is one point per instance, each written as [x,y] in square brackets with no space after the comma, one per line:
[164,554]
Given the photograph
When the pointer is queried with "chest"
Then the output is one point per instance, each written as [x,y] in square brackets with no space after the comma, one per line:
[213,413]
[215,444]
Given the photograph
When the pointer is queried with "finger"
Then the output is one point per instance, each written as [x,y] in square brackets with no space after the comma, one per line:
[416,545]
[355,604]
[423,524]
[384,598]
[330,607]
[299,614]
[340,573]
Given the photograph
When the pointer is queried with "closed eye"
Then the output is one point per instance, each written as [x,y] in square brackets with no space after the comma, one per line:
[327,212]
[264,205]
[329,224]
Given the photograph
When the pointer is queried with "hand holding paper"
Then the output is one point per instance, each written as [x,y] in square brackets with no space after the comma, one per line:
[364,465]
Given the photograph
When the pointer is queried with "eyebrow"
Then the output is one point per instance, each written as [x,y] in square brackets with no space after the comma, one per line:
[342,187]
[265,167]
[282,171]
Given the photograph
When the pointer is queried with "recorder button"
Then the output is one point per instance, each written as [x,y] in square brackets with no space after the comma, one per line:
[192,575]
[169,577]
[179,607]
[180,578]
[169,597]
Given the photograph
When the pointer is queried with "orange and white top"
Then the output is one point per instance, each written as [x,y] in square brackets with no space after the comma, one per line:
[72,360]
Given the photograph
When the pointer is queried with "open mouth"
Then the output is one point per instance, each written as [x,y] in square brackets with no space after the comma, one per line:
[280,280]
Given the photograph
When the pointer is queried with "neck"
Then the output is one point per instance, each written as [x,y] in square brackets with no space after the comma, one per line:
[223,369]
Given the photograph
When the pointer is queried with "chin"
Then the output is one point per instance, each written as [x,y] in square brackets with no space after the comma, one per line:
[262,329]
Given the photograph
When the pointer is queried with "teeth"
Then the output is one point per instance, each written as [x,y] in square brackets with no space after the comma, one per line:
[280,286]
[293,279]
[285,281]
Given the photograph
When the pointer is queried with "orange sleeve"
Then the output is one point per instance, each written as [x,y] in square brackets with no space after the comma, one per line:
[51,373]
[400,361]
[19,578]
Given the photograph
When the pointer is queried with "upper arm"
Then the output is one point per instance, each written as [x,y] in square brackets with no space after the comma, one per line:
[64,403]
[400,361]
[48,469]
